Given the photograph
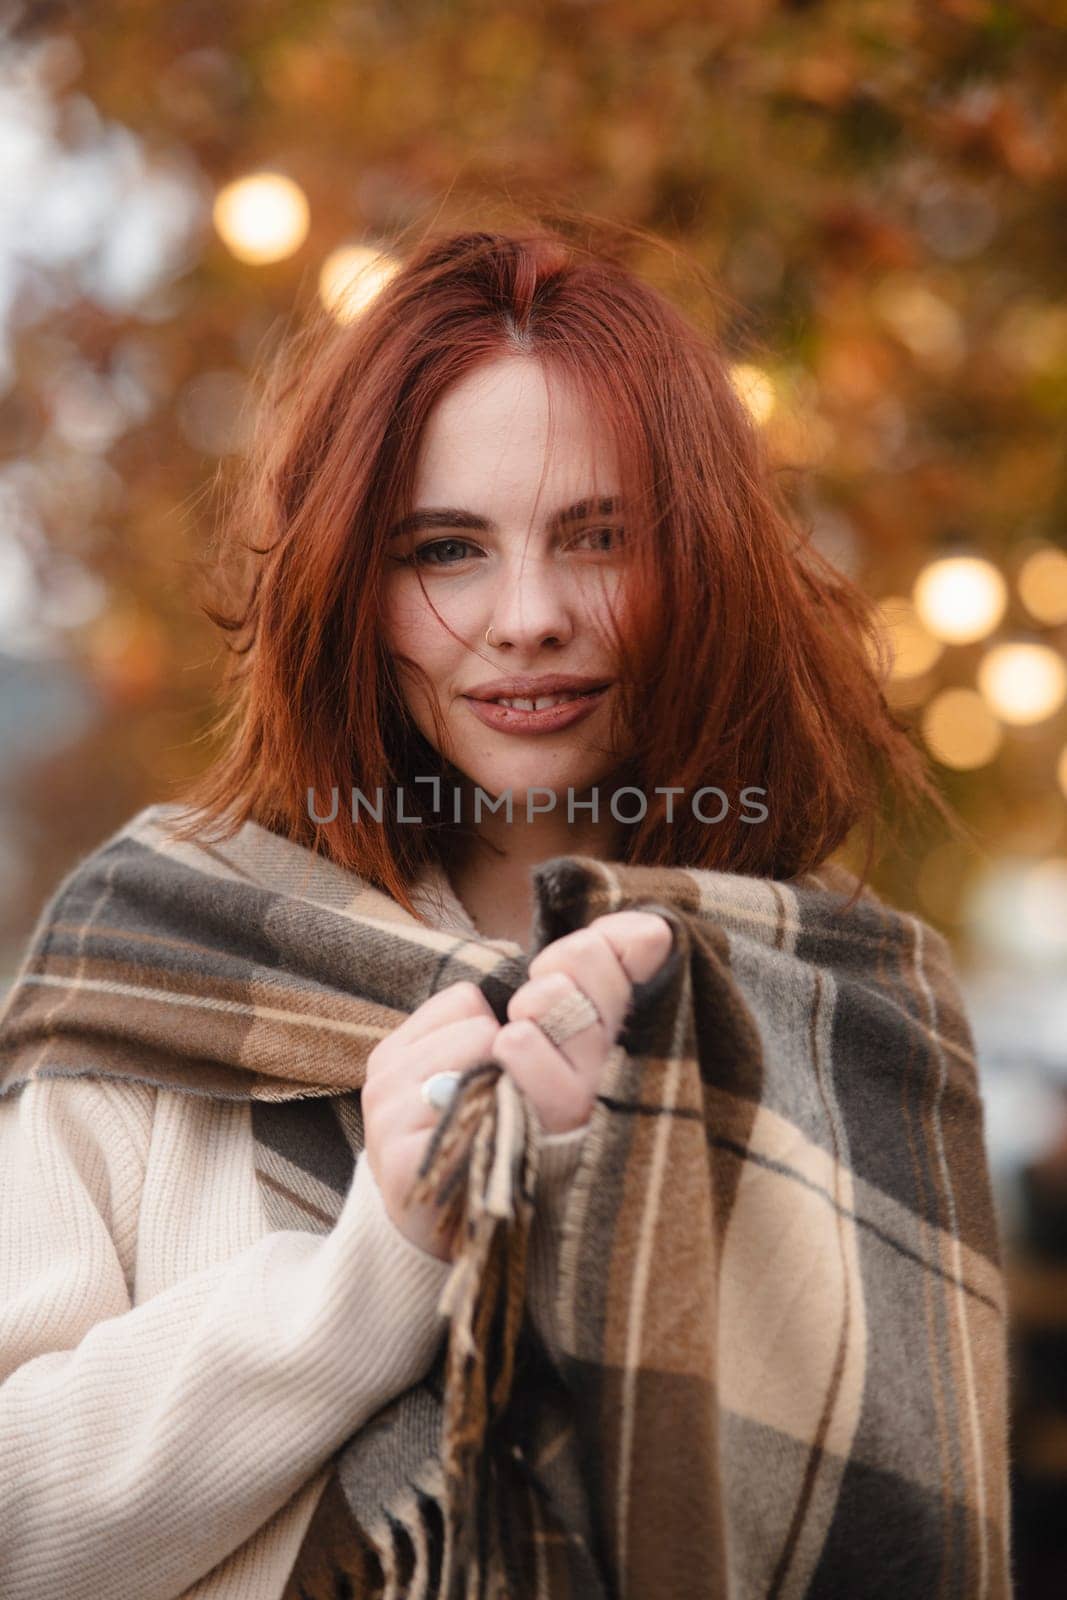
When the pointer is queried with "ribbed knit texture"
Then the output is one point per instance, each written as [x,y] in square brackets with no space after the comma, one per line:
[172,1373]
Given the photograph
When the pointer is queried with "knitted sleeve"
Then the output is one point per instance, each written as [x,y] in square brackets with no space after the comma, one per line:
[140,1444]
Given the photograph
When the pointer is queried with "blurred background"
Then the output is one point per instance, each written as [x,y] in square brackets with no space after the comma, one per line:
[879,189]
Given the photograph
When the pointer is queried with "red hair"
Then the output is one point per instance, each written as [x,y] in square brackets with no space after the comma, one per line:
[747,660]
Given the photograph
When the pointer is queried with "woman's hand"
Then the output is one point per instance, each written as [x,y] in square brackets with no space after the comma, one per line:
[457,1028]
[450,1032]
[603,961]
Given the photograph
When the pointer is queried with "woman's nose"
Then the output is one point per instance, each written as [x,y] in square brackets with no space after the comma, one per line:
[531,605]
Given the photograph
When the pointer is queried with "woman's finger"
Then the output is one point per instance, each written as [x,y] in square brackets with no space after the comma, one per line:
[584,1050]
[642,940]
[451,1047]
[592,963]
[563,1098]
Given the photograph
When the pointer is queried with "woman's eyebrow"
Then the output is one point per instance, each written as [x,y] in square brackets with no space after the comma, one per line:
[452,517]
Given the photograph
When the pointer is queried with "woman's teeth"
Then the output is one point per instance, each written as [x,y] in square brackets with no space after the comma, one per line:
[545,701]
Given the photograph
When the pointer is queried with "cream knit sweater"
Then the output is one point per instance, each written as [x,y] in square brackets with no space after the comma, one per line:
[171,1372]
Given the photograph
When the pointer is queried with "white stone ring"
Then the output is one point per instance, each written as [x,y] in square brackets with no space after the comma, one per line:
[439,1091]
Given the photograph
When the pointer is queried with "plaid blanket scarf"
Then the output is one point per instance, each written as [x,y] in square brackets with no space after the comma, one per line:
[778,1366]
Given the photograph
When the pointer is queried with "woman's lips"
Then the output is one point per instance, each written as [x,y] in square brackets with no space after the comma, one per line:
[507,719]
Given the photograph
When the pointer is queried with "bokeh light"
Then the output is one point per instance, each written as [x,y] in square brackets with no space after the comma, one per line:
[261,218]
[755,387]
[922,320]
[960,598]
[960,730]
[350,278]
[1018,908]
[1032,334]
[914,650]
[1023,683]
[1043,585]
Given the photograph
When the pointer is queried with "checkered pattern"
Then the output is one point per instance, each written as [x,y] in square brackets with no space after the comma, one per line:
[778,1362]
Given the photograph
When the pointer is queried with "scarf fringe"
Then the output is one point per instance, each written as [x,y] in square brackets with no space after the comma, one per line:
[402,1518]
[486,1290]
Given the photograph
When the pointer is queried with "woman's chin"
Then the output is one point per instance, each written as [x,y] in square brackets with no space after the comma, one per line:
[528,781]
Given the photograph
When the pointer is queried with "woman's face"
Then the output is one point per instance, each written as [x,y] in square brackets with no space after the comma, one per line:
[541,574]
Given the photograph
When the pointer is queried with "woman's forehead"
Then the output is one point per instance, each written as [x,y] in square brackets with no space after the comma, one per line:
[507,428]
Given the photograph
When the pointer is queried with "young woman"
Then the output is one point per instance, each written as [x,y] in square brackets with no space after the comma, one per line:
[525,474]
[515,586]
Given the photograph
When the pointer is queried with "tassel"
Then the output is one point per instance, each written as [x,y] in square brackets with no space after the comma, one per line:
[486,1289]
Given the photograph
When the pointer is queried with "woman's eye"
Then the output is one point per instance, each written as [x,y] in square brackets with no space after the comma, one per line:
[601,534]
[420,555]
[451,552]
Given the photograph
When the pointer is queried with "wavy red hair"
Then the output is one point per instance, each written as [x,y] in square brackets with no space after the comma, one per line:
[746,660]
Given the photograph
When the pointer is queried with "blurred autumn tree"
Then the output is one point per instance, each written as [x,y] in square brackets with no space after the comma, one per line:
[878,186]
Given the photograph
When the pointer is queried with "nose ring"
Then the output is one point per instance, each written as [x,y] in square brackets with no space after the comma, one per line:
[488,631]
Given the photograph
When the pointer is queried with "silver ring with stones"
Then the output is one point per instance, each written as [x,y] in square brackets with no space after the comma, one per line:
[439,1091]
[571,1015]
